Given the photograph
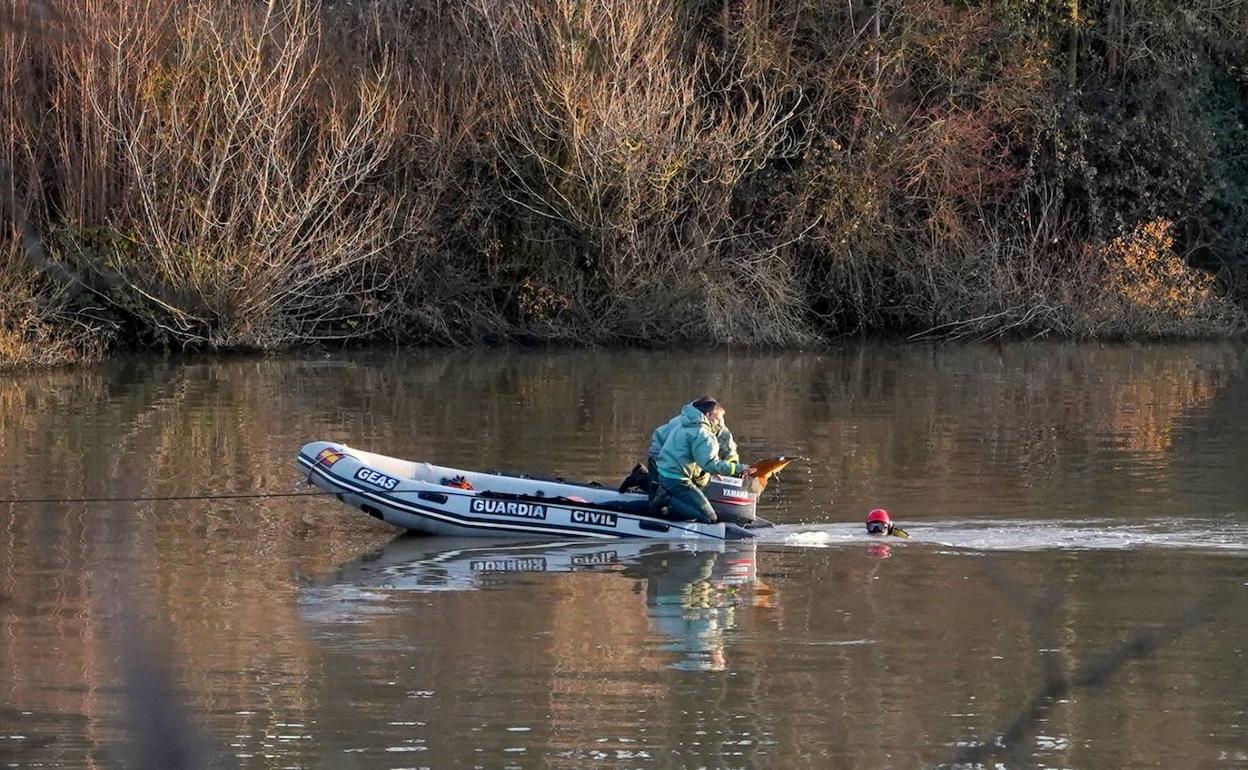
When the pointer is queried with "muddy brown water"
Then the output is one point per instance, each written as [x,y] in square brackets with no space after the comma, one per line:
[1063,499]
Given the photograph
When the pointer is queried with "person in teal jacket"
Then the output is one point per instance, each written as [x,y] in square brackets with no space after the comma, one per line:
[691,451]
[727,445]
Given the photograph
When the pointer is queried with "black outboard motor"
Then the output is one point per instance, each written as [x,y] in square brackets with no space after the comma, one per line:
[734,499]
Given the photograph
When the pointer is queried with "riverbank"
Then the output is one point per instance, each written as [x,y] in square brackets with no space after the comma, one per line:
[36,335]
[208,178]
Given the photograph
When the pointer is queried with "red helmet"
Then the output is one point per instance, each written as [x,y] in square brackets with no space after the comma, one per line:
[878,521]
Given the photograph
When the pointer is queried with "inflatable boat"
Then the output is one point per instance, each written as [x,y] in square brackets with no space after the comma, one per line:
[436,500]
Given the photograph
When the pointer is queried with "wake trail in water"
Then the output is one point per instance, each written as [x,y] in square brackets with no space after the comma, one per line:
[1204,534]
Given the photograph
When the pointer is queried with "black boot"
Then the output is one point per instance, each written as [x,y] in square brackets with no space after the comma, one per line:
[638,480]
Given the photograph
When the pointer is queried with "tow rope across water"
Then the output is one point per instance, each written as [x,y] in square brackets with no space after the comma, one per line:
[156,498]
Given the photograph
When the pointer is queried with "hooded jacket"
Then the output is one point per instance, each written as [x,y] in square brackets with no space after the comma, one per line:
[727,446]
[691,448]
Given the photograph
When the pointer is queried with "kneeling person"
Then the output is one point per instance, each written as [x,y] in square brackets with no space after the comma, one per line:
[723,438]
[689,452]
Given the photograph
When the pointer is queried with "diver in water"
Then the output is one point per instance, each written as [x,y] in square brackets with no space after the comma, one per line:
[880,523]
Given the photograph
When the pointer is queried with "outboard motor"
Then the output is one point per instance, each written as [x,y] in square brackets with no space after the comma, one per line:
[735,499]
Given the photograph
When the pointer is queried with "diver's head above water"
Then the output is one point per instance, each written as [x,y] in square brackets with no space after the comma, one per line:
[880,523]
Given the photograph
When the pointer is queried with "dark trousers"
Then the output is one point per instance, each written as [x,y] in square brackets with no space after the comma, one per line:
[687,501]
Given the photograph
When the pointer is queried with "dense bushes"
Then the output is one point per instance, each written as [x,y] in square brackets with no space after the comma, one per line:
[222,174]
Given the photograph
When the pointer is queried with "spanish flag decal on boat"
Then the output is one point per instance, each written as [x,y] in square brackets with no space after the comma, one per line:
[328,457]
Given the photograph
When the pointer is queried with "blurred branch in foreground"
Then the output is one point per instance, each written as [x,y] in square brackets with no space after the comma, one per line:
[160,734]
[1095,673]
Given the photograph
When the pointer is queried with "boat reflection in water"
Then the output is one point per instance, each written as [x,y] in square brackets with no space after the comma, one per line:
[693,590]
[692,598]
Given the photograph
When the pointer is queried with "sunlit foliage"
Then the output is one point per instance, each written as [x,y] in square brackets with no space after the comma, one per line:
[217,175]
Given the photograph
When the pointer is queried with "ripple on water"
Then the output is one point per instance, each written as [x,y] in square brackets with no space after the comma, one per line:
[1199,534]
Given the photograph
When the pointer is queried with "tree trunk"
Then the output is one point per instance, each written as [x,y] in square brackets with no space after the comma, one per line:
[879,44]
[1115,32]
[1072,46]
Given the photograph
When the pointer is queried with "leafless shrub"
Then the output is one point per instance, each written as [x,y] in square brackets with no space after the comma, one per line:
[214,175]
[253,212]
[625,172]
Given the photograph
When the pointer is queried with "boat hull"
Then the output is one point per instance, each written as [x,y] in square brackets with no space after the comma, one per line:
[408,495]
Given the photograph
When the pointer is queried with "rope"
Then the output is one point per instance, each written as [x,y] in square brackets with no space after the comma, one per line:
[230,496]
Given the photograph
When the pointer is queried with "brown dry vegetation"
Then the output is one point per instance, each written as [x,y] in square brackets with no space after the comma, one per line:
[218,174]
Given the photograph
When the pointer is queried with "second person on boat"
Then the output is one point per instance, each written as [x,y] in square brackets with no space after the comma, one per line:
[690,451]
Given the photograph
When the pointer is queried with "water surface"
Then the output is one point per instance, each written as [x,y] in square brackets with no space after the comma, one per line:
[1062,498]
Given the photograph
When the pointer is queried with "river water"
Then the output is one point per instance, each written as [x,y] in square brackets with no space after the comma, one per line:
[1075,593]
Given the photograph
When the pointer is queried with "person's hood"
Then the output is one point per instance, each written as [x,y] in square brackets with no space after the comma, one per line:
[693,416]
